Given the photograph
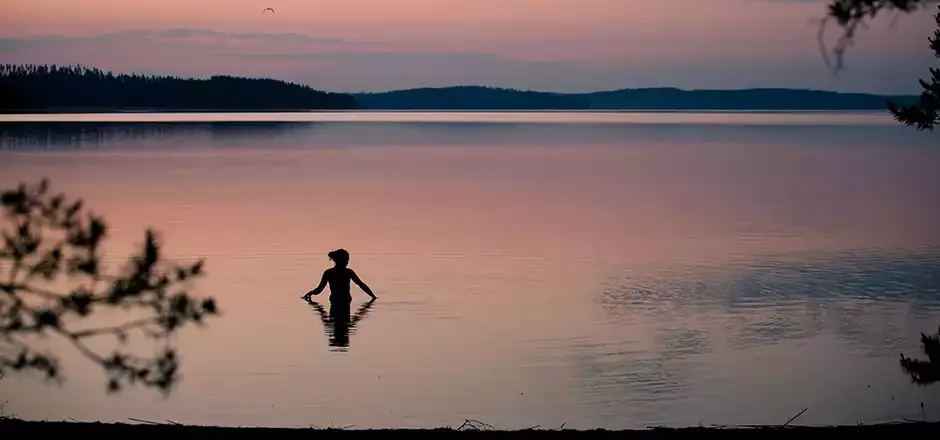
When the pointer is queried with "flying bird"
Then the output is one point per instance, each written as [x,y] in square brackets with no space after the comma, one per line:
[267,9]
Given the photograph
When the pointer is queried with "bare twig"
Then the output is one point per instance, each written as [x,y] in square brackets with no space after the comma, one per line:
[117,328]
[82,347]
[45,294]
[794,417]
[474,425]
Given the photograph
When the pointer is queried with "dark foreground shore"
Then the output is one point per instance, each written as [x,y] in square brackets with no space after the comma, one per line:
[19,429]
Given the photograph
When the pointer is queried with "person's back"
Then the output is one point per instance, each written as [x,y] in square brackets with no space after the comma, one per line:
[338,278]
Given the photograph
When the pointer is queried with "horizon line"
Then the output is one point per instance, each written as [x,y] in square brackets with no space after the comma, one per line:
[511,89]
[503,88]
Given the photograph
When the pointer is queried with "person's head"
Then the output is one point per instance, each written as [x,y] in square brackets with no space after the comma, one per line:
[339,256]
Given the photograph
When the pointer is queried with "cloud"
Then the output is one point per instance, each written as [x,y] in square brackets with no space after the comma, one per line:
[195,34]
[189,36]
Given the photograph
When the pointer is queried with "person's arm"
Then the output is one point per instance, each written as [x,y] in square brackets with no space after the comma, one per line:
[320,287]
[363,286]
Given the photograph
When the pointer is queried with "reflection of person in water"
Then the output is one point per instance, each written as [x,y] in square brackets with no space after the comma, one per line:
[339,323]
[338,278]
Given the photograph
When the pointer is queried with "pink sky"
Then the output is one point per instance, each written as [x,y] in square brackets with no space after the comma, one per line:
[564,45]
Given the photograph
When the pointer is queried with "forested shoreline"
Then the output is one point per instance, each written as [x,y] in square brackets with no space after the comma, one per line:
[44,88]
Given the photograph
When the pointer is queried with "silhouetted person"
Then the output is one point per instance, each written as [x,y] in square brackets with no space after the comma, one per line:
[338,278]
[339,323]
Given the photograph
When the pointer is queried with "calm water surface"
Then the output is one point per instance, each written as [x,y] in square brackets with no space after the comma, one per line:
[600,270]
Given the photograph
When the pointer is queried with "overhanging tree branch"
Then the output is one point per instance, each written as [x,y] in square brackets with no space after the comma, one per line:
[851,15]
[44,240]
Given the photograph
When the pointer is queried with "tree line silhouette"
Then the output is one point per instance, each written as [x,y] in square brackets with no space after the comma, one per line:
[45,87]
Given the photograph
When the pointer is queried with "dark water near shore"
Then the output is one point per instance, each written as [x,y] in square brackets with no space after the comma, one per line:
[599,270]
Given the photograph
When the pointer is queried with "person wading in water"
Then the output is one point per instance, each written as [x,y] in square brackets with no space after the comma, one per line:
[338,277]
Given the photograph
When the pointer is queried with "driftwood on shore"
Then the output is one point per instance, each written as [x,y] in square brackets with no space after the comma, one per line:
[20,429]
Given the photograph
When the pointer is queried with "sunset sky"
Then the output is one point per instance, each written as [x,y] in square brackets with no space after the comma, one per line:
[555,45]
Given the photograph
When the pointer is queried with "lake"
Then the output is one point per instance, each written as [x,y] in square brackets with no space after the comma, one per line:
[601,270]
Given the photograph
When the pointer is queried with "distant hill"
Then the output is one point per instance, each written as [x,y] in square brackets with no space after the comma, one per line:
[42,88]
[488,98]
[469,98]
[28,88]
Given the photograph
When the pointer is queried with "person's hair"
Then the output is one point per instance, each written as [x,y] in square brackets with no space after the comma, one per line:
[339,255]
